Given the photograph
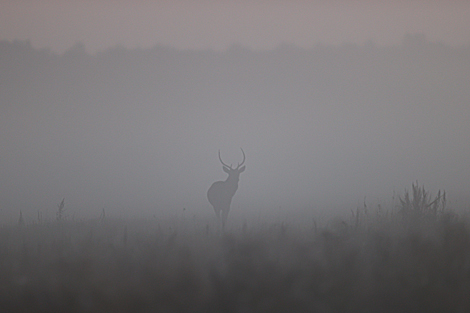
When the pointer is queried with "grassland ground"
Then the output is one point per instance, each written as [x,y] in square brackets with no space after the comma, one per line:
[183,265]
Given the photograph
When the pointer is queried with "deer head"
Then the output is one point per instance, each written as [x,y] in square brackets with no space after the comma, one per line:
[233,173]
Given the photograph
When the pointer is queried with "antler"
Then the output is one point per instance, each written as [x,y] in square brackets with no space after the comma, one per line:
[240,164]
[230,167]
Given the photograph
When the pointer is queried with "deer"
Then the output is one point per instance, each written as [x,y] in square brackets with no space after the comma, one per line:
[220,193]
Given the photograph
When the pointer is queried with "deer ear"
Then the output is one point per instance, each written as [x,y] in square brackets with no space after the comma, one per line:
[226,170]
[241,169]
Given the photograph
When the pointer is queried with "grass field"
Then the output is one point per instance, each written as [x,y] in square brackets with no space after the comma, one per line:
[368,263]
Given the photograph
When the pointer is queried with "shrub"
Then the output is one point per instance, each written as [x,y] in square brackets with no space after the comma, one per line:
[421,206]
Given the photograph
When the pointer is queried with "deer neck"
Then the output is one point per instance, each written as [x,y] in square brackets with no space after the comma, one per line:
[232,181]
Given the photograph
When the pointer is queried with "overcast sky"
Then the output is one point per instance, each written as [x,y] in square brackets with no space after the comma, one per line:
[217,24]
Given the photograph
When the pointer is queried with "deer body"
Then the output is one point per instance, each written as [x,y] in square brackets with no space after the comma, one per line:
[220,194]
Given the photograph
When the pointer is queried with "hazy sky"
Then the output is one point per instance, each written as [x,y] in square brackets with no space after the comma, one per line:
[217,24]
[322,126]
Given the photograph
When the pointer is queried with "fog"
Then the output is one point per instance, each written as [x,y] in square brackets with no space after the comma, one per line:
[137,131]
[218,24]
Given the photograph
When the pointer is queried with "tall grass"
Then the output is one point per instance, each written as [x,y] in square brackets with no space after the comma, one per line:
[377,262]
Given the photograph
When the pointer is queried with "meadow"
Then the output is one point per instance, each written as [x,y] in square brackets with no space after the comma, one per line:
[413,258]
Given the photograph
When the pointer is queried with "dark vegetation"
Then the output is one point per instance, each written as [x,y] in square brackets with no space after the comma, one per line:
[414,258]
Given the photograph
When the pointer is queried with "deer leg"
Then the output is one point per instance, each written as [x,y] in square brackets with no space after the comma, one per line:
[224,217]
[217,213]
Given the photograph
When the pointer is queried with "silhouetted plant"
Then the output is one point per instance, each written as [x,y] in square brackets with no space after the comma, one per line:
[60,215]
[102,216]
[39,217]
[21,220]
[421,205]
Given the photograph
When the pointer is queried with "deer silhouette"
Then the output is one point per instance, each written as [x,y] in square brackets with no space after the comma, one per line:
[220,194]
